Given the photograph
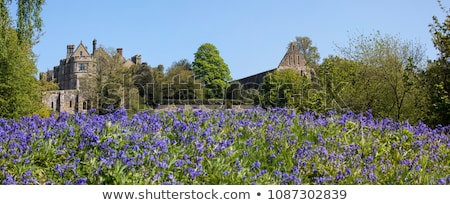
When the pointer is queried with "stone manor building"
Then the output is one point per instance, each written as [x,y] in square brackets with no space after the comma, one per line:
[72,74]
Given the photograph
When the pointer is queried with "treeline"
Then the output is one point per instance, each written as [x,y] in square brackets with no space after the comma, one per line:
[142,86]
[376,72]
[381,73]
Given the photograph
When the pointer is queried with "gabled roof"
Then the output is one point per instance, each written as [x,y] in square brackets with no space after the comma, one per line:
[81,51]
[293,59]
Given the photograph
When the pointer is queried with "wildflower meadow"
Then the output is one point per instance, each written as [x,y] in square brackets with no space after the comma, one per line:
[223,146]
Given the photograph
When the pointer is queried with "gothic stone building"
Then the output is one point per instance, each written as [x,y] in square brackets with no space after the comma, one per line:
[71,74]
[293,59]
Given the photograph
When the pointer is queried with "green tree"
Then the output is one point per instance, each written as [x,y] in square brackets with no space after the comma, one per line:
[309,52]
[148,81]
[339,80]
[114,84]
[180,84]
[286,88]
[388,76]
[19,89]
[438,72]
[211,69]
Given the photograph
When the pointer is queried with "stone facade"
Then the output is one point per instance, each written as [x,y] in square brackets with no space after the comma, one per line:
[64,101]
[293,59]
[72,75]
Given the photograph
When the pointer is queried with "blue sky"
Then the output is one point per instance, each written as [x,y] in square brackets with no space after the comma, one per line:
[251,35]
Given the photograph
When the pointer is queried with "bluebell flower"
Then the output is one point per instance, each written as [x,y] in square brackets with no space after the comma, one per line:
[179,163]
[442,181]
[81,181]
[237,164]
[9,180]
[256,165]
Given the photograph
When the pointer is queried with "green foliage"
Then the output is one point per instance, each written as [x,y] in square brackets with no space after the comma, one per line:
[114,85]
[29,21]
[436,79]
[438,73]
[180,84]
[382,73]
[211,69]
[19,89]
[45,85]
[149,81]
[340,81]
[309,51]
[286,88]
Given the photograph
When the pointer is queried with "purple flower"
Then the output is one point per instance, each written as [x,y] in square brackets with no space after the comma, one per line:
[193,173]
[249,142]
[27,178]
[81,181]
[9,180]
[256,165]
[442,181]
[262,172]
[179,163]
[237,164]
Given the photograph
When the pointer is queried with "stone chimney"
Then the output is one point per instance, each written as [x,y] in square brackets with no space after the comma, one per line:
[136,59]
[119,52]
[69,50]
[94,46]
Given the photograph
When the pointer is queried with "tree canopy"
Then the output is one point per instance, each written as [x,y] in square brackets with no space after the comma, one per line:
[19,89]
[438,73]
[211,69]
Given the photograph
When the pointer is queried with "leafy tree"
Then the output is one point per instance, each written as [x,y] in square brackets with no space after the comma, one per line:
[181,84]
[438,72]
[309,51]
[388,75]
[114,84]
[19,89]
[211,69]
[47,85]
[148,81]
[286,88]
[340,81]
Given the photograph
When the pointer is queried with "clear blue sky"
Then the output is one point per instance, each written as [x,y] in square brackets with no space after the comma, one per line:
[251,35]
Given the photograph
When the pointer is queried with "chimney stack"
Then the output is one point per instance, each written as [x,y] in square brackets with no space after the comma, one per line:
[136,59]
[94,46]
[119,51]
[69,50]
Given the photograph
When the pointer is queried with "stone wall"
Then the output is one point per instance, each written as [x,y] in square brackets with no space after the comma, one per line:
[69,101]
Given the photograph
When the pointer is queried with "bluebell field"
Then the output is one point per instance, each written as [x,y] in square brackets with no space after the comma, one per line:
[255,146]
